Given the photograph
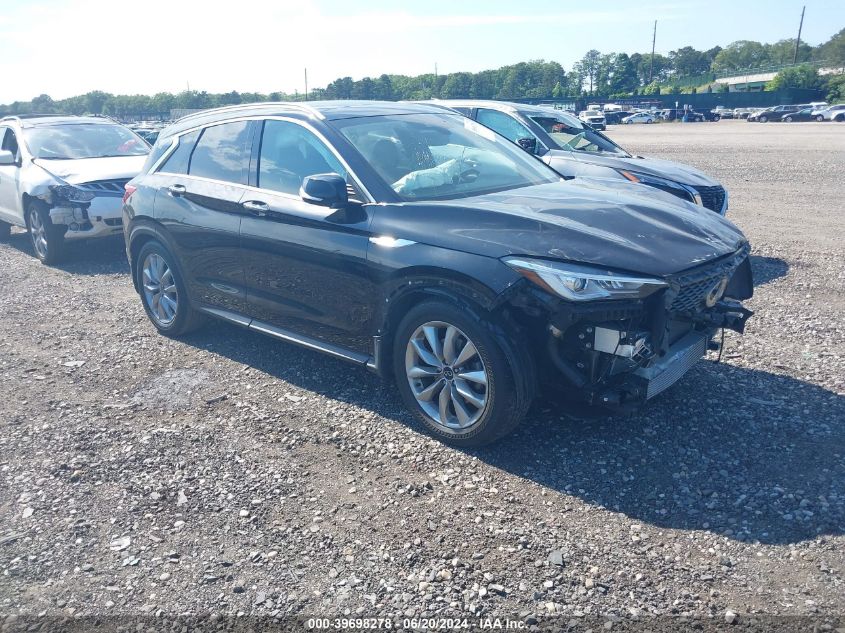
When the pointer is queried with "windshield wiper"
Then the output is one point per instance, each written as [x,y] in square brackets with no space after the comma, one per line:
[55,157]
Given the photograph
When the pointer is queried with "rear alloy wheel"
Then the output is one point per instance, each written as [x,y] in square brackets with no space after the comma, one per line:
[788,119]
[48,240]
[455,376]
[763,119]
[163,291]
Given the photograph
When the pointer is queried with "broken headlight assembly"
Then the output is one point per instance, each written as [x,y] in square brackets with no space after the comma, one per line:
[669,186]
[582,283]
[69,193]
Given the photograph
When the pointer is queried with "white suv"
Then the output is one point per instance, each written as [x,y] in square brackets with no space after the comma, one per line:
[62,178]
[831,113]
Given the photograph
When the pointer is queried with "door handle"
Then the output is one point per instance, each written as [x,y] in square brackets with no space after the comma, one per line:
[256,208]
[176,190]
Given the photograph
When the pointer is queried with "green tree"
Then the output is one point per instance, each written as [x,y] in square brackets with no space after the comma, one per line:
[833,51]
[589,68]
[803,76]
[740,55]
[836,89]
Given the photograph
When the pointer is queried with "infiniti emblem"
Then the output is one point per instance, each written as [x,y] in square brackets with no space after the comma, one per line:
[447,373]
[716,292]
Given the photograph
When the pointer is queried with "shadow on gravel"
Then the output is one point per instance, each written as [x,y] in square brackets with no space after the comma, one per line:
[767,269]
[739,452]
[104,256]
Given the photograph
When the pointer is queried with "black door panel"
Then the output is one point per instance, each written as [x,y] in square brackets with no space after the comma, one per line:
[204,224]
[306,269]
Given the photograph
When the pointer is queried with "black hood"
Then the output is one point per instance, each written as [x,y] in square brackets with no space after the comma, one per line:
[624,228]
[677,172]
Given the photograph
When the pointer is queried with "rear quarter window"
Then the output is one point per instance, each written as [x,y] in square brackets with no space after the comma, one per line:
[179,161]
[220,153]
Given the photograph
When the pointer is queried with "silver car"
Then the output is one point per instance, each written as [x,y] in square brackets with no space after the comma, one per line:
[577,151]
[831,113]
[62,178]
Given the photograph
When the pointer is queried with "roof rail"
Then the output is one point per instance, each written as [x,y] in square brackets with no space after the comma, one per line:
[259,104]
[30,115]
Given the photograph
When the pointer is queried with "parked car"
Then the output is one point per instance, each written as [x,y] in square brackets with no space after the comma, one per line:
[805,114]
[616,116]
[62,178]
[563,142]
[831,113]
[775,113]
[595,118]
[639,117]
[148,134]
[420,244]
[722,112]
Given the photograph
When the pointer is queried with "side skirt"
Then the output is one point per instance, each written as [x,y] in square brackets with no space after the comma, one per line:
[292,337]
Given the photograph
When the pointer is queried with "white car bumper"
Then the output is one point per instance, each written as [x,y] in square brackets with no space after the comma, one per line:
[103,217]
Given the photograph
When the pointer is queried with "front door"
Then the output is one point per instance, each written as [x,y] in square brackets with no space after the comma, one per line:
[10,195]
[305,265]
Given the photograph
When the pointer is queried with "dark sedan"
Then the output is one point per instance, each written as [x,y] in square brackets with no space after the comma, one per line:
[805,114]
[424,246]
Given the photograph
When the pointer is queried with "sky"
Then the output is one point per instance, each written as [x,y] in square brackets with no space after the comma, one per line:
[69,47]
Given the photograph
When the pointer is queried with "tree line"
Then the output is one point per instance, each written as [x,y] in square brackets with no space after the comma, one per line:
[597,74]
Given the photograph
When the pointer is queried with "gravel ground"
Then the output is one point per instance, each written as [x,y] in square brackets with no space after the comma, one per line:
[235,474]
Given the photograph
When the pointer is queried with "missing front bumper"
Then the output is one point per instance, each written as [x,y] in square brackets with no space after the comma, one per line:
[666,371]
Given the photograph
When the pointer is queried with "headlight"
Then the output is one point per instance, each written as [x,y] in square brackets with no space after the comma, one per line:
[71,193]
[675,188]
[581,283]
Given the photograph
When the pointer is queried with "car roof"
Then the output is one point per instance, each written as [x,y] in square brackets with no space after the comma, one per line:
[506,106]
[27,121]
[323,110]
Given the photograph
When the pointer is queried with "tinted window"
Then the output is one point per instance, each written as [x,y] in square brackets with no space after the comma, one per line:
[220,152]
[569,133]
[9,141]
[180,159]
[83,140]
[505,125]
[289,153]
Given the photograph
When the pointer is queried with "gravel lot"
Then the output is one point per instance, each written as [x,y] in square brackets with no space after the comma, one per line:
[232,473]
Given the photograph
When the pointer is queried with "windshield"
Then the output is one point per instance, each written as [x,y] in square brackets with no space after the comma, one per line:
[83,140]
[442,156]
[570,134]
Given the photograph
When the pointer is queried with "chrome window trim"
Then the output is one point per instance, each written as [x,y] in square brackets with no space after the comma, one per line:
[258,117]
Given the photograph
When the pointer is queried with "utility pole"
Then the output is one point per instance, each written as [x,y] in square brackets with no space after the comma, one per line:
[306,84]
[798,40]
[653,42]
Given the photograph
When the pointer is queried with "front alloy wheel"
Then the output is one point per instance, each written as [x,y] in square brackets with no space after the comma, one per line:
[466,375]
[446,375]
[47,239]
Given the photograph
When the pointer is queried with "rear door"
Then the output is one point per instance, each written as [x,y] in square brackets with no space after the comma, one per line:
[305,265]
[201,185]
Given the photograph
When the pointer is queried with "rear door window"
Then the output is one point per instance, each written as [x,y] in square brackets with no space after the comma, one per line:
[221,152]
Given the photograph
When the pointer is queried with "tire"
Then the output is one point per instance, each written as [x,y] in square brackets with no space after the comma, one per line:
[839,118]
[163,292]
[648,121]
[433,386]
[763,119]
[819,118]
[48,240]
[5,231]
[788,119]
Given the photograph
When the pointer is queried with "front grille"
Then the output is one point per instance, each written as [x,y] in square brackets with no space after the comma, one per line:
[712,197]
[106,187]
[696,284]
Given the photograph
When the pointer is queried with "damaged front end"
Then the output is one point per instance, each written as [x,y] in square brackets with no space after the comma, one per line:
[628,338]
[87,210]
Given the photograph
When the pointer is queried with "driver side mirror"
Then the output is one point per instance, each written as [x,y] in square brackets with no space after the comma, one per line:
[529,144]
[325,190]
[7,157]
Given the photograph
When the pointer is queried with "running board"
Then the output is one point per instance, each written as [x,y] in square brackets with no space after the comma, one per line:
[291,337]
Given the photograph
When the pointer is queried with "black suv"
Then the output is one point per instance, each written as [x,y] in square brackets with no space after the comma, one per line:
[418,243]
